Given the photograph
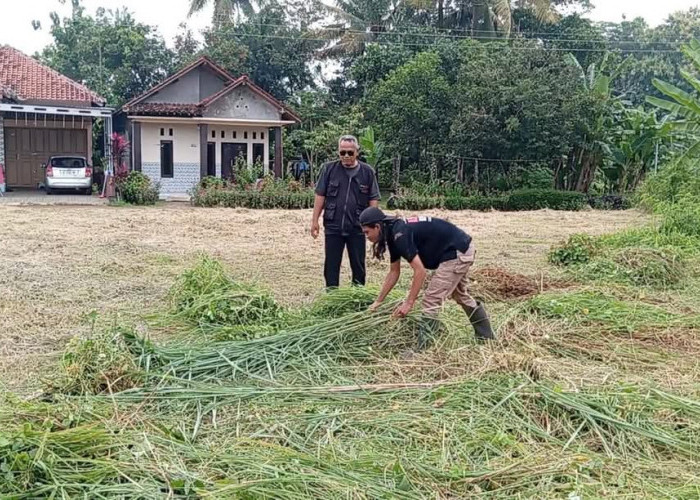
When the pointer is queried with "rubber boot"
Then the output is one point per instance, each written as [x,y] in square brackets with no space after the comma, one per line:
[427,332]
[480,321]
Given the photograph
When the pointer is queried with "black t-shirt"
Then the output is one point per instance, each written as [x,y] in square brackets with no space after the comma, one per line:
[434,240]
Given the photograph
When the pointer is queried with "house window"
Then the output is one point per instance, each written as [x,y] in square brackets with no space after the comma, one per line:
[166,159]
[245,135]
[170,132]
[234,134]
[162,132]
[213,134]
[255,135]
[223,134]
[262,135]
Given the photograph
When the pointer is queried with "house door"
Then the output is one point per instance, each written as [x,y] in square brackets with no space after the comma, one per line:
[28,148]
[211,159]
[259,153]
[229,152]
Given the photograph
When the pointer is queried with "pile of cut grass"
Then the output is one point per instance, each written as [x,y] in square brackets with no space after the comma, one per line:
[206,294]
[642,257]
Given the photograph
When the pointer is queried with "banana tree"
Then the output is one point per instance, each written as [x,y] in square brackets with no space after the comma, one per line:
[684,108]
[640,139]
[594,149]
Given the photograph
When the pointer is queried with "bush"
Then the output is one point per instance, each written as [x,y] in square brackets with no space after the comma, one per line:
[268,199]
[610,202]
[675,182]
[137,189]
[579,249]
[681,218]
[526,199]
[537,199]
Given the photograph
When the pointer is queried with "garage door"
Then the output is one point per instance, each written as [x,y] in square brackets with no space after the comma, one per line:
[27,148]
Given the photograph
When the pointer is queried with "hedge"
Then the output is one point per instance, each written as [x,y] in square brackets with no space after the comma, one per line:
[527,199]
[232,198]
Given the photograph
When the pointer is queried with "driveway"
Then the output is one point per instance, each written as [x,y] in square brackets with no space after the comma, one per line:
[31,197]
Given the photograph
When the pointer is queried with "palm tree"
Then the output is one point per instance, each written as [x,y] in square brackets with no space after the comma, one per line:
[485,17]
[356,23]
[223,9]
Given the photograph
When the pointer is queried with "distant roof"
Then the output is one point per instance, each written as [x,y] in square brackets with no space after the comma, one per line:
[23,78]
[137,107]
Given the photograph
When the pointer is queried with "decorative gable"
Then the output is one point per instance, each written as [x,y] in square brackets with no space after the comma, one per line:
[241,103]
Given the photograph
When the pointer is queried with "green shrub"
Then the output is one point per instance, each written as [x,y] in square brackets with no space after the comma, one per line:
[233,197]
[610,202]
[137,189]
[579,249]
[526,199]
[537,199]
[682,217]
[674,182]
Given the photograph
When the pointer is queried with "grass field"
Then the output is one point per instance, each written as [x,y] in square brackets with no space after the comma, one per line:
[60,263]
[263,388]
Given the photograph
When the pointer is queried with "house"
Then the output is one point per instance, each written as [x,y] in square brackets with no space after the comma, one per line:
[197,122]
[42,113]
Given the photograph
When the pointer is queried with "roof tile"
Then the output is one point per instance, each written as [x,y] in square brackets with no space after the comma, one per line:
[26,79]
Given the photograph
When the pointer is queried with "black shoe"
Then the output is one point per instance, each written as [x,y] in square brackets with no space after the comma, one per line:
[480,321]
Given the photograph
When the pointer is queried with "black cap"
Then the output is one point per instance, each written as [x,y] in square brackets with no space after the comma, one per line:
[372,215]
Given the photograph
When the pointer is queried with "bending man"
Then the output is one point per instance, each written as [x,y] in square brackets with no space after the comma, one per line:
[426,243]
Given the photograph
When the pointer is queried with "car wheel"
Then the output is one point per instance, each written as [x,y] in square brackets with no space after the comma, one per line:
[48,190]
[88,192]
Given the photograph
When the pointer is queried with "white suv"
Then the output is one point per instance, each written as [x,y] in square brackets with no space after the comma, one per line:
[68,172]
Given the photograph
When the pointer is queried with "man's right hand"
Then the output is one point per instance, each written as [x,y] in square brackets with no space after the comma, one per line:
[315,228]
[374,306]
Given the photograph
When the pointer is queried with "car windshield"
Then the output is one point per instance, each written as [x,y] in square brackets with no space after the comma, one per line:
[68,163]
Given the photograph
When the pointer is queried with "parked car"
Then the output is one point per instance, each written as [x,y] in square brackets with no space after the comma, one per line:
[68,172]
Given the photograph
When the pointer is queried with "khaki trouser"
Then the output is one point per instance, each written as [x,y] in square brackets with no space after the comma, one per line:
[451,279]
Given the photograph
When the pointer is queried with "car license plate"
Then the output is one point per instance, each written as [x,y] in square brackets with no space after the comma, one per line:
[70,172]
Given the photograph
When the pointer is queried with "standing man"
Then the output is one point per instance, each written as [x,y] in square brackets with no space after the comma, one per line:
[345,188]
[427,243]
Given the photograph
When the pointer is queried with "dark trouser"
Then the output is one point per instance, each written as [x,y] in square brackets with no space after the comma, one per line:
[335,244]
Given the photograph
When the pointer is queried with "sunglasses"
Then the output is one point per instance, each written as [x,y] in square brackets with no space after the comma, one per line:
[347,153]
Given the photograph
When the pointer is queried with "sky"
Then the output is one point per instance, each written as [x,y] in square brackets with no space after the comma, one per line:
[16,27]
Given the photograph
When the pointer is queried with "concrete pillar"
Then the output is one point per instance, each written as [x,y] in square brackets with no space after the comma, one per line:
[203,150]
[278,152]
[136,146]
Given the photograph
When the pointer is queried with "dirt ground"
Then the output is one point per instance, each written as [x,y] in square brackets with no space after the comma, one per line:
[60,263]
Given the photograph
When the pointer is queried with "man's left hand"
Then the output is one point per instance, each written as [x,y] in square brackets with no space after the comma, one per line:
[403,310]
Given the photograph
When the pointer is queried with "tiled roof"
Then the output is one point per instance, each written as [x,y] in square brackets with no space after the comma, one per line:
[25,79]
[164,109]
[138,107]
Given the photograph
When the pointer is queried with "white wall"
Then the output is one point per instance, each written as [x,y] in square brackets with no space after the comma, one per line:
[186,168]
[186,157]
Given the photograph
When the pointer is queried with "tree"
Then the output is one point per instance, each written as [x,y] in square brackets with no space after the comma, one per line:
[411,107]
[641,140]
[224,10]
[518,104]
[111,53]
[268,48]
[684,108]
[356,23]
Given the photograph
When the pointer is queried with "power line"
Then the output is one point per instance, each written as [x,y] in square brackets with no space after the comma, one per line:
[519,35]
[487,46]
[609,45]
